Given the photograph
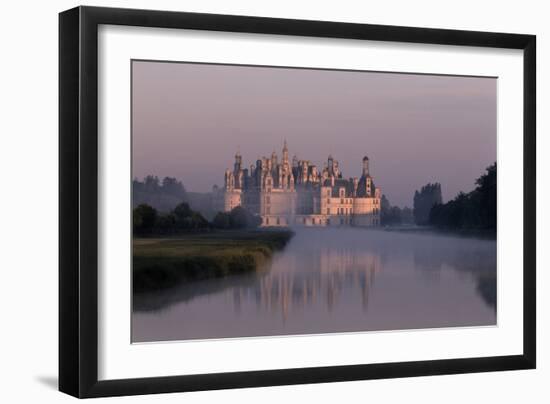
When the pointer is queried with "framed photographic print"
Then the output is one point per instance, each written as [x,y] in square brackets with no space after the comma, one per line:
[250,201]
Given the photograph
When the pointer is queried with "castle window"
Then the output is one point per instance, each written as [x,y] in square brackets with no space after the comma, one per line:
[278,221]
[268,210]
[304,220]
[266,220]
[342,201]
[328,221]
[328,200]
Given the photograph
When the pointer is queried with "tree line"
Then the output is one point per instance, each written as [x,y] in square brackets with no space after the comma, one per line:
[147,220]
[423,201]
[163,194]
[473,210]
[394,215]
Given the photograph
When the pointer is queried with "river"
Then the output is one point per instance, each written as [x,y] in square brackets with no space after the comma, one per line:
[338,280]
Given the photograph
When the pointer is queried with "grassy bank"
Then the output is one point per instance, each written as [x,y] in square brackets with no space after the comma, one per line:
[164,262]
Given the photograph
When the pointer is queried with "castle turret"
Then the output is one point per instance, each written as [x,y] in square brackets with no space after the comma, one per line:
[365,166]
[274,159]
[330,164]
[369,186]
[238,162]
[355,185]
[285,153]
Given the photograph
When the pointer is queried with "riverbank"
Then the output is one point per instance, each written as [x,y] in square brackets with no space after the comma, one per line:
[165,262]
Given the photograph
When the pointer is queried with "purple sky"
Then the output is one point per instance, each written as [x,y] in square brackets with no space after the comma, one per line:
[190,119]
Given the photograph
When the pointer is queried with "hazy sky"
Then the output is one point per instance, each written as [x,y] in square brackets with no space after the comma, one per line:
[190,119]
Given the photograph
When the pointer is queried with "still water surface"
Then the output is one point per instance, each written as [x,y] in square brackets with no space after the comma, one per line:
[334,281]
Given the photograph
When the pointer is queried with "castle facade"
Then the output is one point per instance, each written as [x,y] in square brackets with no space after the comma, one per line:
[297,193]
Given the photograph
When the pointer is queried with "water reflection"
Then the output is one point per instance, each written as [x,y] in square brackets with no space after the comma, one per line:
[323,278]
[334,280]
[474,258]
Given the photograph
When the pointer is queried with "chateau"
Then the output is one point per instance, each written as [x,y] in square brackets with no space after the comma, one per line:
[297,193]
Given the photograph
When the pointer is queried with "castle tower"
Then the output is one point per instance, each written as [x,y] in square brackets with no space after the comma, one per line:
[365,166]
[285,153]
[355,185]
[274,159]
[238,162]
[369,186]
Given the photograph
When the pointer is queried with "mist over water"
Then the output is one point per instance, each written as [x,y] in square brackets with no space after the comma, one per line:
[334,280]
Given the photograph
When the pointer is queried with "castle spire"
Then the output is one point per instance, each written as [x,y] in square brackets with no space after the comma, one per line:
[238,160]
[285,152]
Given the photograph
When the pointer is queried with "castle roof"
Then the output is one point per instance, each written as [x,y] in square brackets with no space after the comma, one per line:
[340,183]
[362,186]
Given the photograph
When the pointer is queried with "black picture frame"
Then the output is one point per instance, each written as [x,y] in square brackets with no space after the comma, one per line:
[78,201]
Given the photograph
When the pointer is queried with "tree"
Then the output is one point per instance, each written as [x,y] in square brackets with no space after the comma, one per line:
[486,195]
[240,218]
[163,196]
[429,195]
[151,183]
[166,223]
[222,220]
[144,219]
[182,211]
[172,186]
[476,209]
[389,215]
[407,216]
[198,221]
[186,218]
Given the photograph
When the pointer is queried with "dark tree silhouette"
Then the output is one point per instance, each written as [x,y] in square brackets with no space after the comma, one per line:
[241,218]
[144,218]
[222,220]
[238,218]
[389,215]
[475,210]
[182,211]
[162,196]
[428,196]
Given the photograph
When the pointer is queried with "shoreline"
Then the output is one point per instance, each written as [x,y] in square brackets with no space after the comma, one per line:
[164,262]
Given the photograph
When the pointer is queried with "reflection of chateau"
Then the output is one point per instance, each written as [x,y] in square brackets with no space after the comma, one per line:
[343,272]
[297,193]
